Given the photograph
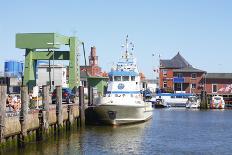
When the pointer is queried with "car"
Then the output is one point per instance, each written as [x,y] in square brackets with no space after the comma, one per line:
[147,93]
[67,96]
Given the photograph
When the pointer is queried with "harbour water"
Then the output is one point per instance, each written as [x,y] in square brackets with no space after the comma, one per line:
[170,131]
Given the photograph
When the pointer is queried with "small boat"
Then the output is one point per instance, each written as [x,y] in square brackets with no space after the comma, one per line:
[123,102]
[193,102]
[174,99]
[217,102]
[160,103]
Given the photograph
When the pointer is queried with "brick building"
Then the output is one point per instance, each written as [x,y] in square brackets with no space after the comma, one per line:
[177,74]
[219,83]
[92,69]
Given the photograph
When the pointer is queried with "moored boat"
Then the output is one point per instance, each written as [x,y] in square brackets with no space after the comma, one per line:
[123,102]
[217,102]
[174,99]
[193,102]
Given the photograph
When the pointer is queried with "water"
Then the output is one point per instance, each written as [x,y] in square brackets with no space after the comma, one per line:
[170,131]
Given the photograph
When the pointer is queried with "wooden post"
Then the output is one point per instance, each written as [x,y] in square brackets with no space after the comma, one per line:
[75,90]
[45,101]
[24,111]
[70,116]
[81,106]
[90,96]
[59,107]
[204,102]
[3,90]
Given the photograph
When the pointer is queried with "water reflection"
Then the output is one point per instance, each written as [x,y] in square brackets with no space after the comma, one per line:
[170,131]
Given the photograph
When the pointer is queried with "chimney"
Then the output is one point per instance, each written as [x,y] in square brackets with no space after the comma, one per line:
[93,59]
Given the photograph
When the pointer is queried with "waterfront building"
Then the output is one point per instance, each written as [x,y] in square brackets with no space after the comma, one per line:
[178,75]
[219,83]
[59,77]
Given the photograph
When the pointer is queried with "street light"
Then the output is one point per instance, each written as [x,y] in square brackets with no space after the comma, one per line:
[53,55]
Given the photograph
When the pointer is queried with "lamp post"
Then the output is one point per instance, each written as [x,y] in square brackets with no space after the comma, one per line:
[53,64]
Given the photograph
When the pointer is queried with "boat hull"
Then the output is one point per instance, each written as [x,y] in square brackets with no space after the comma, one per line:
[123,114]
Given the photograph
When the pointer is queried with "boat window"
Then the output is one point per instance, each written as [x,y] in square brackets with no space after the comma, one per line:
[217,98]
[192,99]
[125,78]
[132,78]
[117,78]
[111,78]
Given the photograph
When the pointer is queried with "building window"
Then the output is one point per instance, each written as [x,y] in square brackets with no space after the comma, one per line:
[194,85]
[165,84]
[194,75]
[179,75]
[178,86]
[214,88]
[165,71]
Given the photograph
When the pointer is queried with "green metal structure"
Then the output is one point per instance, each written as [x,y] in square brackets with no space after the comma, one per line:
[37,47]
[98,82]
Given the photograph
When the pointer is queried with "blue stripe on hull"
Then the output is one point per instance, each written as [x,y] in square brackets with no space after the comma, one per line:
[123,92]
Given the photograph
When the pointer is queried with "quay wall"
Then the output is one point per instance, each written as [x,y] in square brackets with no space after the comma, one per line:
[20,128]
[13,126]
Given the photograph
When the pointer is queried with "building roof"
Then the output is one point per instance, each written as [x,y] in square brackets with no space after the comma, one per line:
[176,62]
[189,69]
[219,75]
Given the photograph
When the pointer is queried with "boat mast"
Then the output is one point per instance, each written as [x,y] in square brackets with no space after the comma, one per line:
[126,55]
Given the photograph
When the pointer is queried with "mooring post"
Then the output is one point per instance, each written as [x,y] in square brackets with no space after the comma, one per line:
[81,106]
[90,96]
[59,107]
[70,116]
[3,90]
[43,114]
[203,104]
[75,90]
[24,112]
[45,101]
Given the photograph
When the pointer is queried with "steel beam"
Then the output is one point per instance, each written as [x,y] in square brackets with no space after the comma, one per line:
[48,55]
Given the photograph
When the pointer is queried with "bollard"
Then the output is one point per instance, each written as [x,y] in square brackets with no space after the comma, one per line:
[45,112]
[90,96]
[81,106]
[24,112]
[59,116]
[3,90]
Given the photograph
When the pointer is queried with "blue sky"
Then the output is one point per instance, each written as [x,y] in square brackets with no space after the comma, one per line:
[200,29]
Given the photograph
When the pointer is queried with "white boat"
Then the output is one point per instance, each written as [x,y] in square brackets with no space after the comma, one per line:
[173,99]
[193,102]
[123,102]
[217,102]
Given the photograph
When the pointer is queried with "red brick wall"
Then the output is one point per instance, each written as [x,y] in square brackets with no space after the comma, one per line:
[168,78]
[188,80]
[221,83]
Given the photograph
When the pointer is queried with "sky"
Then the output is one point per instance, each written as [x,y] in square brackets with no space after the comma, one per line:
[201,30]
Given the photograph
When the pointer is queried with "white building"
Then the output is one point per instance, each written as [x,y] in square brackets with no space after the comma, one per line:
[152,84]
[59,78]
